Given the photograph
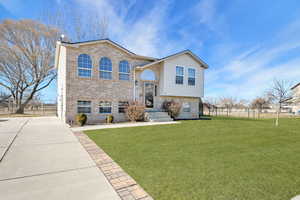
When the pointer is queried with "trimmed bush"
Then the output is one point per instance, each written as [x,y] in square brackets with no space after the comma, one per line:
[135,111]
[81,119]
[109,119]
[173,108]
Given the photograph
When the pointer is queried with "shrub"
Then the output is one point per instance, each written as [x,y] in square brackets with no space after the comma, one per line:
[135,111]
[173,108]
[109,119]
[81,119]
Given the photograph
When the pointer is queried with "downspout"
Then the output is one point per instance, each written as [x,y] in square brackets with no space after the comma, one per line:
[134,84]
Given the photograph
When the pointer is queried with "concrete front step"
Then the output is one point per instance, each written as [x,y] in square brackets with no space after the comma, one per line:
[162,120]
[158,116]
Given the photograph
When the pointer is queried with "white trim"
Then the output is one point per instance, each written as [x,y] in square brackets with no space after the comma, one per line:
[77,67]
[153,92]
[188,76]
[179,75]
[134,88]
[85,106]
[202,63]
[105,71]
[111,107]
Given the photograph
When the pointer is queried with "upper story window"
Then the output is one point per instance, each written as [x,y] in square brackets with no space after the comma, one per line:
[124,70]
[192,76]
[84,65]
[105,68]
[84,107]
[179,75]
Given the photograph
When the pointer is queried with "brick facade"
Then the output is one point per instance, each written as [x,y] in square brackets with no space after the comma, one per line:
[95,89]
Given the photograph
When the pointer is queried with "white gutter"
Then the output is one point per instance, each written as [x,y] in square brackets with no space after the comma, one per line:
[57,54]
[134,84]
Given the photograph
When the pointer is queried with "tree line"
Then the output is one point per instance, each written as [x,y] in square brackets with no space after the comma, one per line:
[278,94]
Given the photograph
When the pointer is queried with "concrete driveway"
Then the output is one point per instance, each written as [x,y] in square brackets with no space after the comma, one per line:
[42,159]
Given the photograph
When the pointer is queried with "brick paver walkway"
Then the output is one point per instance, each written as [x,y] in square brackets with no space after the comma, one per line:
[125,186]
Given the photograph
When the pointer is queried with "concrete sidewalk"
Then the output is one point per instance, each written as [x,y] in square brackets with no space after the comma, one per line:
[121,125]
[44,160]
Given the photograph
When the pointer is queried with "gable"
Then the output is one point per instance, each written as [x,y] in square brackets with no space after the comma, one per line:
[185,60]
[296,86]
[186,52]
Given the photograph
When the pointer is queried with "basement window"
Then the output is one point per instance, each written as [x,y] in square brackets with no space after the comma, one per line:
[122,106]
[84,107]
[186,107]
[105,107]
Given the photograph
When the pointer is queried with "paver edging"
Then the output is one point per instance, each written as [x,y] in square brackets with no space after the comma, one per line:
[125,186]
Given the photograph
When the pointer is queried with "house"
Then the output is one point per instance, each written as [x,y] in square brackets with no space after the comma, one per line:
[100,77]
[296,99]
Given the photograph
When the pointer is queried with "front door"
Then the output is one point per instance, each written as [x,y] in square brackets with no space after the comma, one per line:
[149,94]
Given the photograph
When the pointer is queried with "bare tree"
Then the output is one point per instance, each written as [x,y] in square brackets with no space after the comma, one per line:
[227,102]
[76,25]
[242,104]
[26,59]
[259,103]
[4,97]
[210,103]
[279,92]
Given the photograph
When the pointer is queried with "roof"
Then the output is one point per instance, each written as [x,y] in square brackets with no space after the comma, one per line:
[98,41]
[298,84]
[177,54]
[154,60]
[77,44]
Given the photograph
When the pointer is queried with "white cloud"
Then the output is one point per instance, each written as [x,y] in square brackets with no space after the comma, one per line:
[251,72]
[141,35]
[206,12]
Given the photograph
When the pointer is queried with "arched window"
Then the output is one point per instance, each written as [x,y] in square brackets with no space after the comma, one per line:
[105,68]
[124,70]
[148,75]
[84,65]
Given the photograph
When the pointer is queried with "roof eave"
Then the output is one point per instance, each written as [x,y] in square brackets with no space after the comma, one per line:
[77,44]
[201,62]
[295,86]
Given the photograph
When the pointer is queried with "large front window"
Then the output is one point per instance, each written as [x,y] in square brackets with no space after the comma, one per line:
[84,107]
[105,107]
[192,76]
[105,68]
[179,75]
[84,65]
[124,70]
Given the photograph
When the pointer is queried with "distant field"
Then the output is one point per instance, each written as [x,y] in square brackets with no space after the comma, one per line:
[218,159]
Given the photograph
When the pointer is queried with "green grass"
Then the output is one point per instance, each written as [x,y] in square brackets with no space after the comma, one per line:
[220,159]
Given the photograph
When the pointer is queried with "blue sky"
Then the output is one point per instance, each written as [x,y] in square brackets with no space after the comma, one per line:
[246,43]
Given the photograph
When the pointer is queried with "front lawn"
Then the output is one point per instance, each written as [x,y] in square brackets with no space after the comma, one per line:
[220,159]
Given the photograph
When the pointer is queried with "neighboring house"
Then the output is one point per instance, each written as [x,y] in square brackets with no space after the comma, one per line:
[296,99]
[100,77]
